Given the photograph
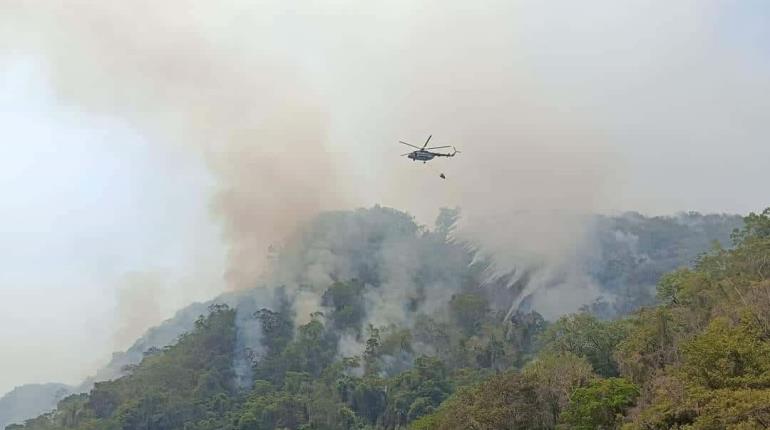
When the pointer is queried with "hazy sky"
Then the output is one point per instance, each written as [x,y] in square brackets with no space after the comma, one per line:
[108,225]
[86,202]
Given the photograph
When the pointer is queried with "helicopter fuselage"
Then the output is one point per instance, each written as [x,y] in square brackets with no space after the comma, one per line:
[421,156]
[424,153]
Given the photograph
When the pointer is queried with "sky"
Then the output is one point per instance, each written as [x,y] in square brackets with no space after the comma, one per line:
[85,213]
[149,154]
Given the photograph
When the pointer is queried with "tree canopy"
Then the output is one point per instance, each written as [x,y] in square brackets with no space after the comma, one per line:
[698,359]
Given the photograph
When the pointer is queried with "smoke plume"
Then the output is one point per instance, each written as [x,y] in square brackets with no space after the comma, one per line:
[182,77]
[296,108]
[279,125]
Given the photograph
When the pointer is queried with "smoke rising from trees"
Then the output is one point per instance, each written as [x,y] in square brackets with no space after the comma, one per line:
[296,110]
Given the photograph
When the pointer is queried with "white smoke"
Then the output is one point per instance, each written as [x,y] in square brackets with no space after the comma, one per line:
[295,108]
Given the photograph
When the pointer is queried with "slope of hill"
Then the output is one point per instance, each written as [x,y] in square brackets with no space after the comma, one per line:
[629,255]
[634,251]
[172,387]
[375,322]
[698,360]
[30,400]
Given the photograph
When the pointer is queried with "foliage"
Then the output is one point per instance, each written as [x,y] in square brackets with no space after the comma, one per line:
[505,401]
[586,336]
[346,301]
[701,358]
[555,377]
[416,392]
[728,355]
[697,360]
[599,405]
[468,311]
[532,398]
[187,384]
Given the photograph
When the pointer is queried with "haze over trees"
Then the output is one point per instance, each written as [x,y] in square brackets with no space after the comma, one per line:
[30,400]
[696,359]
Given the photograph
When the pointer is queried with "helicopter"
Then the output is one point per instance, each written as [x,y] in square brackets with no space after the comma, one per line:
[424,154]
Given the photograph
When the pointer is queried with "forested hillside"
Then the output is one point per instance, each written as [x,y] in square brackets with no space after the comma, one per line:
[190,382]
[407,334]
[625,258]
[699,360]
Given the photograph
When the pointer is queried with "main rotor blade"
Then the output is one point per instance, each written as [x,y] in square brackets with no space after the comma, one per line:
[426,142]
[440,147]
[409,144]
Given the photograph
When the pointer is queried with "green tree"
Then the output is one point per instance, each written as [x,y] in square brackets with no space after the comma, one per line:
[599,406]
[507,401]
[186,385]
[347,302]
[416,392]
[586,336]
[555,376]
[468,311]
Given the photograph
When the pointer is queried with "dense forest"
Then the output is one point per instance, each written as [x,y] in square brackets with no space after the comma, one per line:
[414,331]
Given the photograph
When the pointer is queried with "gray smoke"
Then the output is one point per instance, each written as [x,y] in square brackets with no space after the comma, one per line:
[295,108]
[181,82]
[408,271]
[271,110]
[398,262]
[248,336]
